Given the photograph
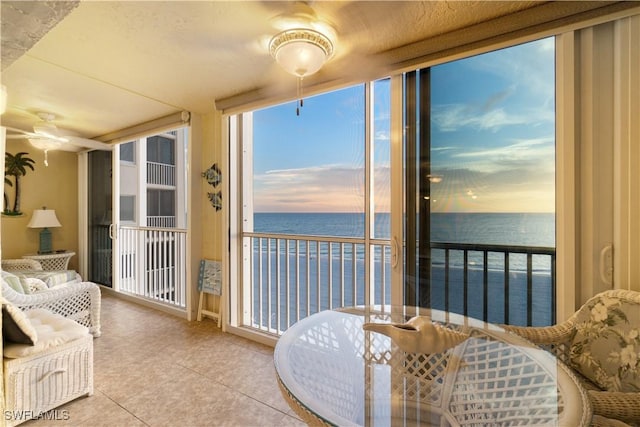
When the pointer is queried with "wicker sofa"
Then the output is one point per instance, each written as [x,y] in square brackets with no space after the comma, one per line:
[601,342]
[47,361]
[79,301]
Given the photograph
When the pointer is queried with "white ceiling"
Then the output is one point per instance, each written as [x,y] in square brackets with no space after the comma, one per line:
[109,65]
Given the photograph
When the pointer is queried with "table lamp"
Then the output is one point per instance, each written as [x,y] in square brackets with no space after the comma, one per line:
[44,218]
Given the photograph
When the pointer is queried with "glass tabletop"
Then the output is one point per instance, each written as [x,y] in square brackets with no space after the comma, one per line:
[340,374]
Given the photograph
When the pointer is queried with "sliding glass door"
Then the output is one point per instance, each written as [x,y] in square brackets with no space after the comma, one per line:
[100,212]
[480,185]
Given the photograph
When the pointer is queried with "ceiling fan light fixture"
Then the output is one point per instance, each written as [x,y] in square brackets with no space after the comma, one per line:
[301,52]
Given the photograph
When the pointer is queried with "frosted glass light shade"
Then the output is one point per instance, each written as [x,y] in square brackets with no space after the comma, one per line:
[44,218]
[301,52]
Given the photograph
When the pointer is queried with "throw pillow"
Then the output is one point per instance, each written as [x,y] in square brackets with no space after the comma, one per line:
[13,281]
[15,325]
[606,347]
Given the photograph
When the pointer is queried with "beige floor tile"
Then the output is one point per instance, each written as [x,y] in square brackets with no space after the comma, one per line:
[154,369]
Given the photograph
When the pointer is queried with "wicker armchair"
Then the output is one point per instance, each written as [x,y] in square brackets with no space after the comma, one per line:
[601,342]
[20,264]
[77,301]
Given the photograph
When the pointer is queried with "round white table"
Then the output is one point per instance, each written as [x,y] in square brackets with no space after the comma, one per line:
[333,372]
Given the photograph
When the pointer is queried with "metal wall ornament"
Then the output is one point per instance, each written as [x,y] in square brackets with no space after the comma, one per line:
[216,200]
[213,175]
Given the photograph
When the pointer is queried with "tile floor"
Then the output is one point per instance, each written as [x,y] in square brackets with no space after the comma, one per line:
[153,369]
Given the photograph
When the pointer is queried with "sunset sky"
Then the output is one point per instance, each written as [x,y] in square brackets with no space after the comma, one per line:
[493,141]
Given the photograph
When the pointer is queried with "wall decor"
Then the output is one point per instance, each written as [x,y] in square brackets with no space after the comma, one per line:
[15,166]
[216,200]
[210,277]
[213,175]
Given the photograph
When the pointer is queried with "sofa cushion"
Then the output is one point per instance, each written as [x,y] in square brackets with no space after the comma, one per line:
[50,278]
[16,283]
[606,346]
[16,327]
[52,330]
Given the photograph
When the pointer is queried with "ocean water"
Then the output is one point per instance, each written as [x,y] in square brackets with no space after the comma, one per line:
[512,229]
[527,229]
[299,286]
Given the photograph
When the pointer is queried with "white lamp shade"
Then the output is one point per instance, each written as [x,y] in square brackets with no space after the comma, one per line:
[44,218]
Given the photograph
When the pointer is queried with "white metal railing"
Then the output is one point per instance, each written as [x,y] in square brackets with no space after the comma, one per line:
[161,221]
[161,174]
[292,277]
[289,277]
[153,264]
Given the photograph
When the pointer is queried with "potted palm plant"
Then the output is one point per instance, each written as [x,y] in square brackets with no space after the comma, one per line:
[15,166]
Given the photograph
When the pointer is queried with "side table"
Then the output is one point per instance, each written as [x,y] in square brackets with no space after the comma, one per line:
[54,261]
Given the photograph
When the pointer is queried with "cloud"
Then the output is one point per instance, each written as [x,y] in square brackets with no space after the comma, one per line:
[453,117]
[508,190]
[496,99]
[327,188]
[382,135]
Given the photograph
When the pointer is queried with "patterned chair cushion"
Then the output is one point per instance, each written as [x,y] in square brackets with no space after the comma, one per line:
[50,278]
[16,283]
[606,346]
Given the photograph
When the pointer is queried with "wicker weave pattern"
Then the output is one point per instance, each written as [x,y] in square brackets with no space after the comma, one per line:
[558,338]
[48,379]
[76,301]
[489,379]
[57,261]
[20,264]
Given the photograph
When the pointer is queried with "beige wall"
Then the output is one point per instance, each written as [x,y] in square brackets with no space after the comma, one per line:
[210,229]
[56,188]
[212,220]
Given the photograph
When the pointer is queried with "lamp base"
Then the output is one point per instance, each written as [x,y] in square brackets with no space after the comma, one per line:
[45,242]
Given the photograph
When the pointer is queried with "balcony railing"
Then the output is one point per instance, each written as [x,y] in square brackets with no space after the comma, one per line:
[161,174]
[161,221]
[153,264]
[291,277]
[495,283]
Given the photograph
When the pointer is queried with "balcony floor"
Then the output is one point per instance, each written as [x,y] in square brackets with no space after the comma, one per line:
[153,369]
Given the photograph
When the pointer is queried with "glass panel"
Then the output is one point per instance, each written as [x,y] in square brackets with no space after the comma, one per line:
[381,158]
[486,160]
[308,175]
[161,203]
[128,208]
[381,186]
[100,207]
[128,152]
[160,149]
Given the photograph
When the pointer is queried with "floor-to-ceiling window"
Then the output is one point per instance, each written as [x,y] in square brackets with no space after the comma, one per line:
[481,180]
[141,250]
[478,143]
[316,221]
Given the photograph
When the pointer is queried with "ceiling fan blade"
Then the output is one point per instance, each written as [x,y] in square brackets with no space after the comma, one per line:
[88,143]
[20,136]
[19,133]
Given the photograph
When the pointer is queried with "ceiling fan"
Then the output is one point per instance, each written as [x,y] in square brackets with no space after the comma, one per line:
[47,136]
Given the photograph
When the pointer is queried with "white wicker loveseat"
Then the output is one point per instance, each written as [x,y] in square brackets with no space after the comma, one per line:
[77,301]
[47,361]
[601,342]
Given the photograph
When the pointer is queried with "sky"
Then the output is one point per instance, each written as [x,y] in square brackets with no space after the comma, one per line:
[492,141]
